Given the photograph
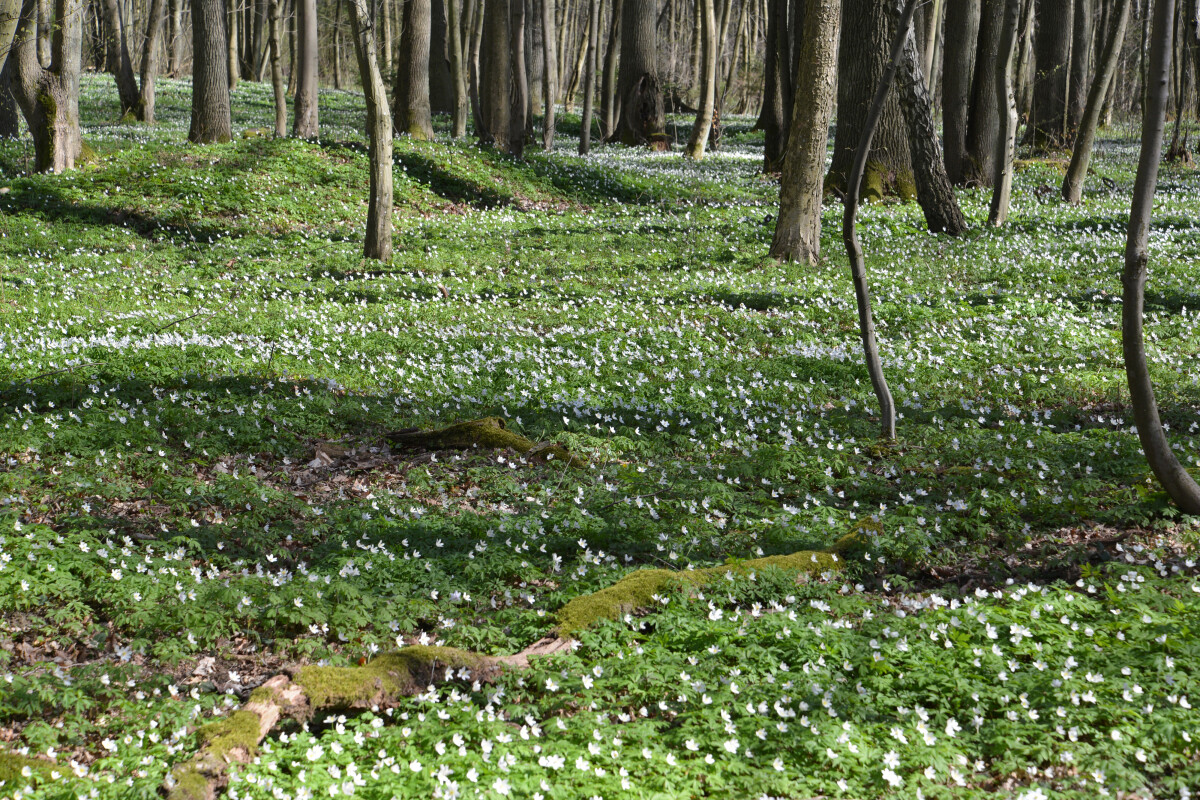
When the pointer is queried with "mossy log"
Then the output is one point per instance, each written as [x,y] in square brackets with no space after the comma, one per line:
[17,770]
[488,433]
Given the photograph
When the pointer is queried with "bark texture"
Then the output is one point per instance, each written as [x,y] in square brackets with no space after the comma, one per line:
[49,96]
[275,54]
[378,241]
[589,82]
[117,61]
[151,46]
[775,116]
[304,119]
[983,122]
[456,58]
[411,112]
[211,119]
[1006,105]
[708,81]
[798,226]
[1051,85]
[642,118]
[501,97]
[549,74]
[1081,64]
[962,34]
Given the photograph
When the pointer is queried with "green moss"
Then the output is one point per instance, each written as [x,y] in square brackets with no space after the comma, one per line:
[13,768]
[905,186]
[254,133]
[87,154]
[262,695]
[238,730]
[487,433]
[403,672]
[190,784]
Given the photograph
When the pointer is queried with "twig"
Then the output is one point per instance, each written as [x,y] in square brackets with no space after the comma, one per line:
[185,319]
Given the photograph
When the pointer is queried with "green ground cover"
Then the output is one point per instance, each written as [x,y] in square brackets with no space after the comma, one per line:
[198,373]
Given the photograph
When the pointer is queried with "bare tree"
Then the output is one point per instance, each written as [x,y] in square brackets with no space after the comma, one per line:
[211,118]
[49,96]
[378,242]
[1166,467]
[1052,85]
[962,33]
[708,81]
[304,120]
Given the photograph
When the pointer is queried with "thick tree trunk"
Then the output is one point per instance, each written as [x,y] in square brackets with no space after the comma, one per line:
[642,118]
[983,122]
[118,63]
[411,112]
[496,87]
[1081,64]
[708,82]
[1025,67]
[549,74]
[1166,467]
[10,18]
[1081,156]
[211,120]
[378,241]
[798,227]
[10,115]
[441,84]
[935,193]
[458,68]
[49,97]
[150,48]
[1052,82]
[775,116]
[275,55]
[862,57]
[1006,106]
[304,120]
[518,120]
[962,36]
[589,81]
[231,49]
[610,102]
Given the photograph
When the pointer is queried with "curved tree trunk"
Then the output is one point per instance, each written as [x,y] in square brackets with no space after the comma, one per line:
[150,48]
[118,63]
[589,83]
[1166,467]
[1051,85]
[962,34]
[934,191]
[211,120]
[642,118]
[1081,156]
[1006,106]
[983,121]
[378,242]
[708,82]
[411,111]
[275,54]
[862,58]
[798,227]
[304,120]
[49,97]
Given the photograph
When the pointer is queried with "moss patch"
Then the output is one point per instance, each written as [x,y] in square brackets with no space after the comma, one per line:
[17,770]
[486,433]
[238,730]
[190,784]
[397,674]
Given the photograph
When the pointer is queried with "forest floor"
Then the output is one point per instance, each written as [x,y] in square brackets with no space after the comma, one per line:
[198,373]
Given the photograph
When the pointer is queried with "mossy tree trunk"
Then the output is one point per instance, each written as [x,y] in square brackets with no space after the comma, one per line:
[151,45]
[304,117]
[117,61]
[411,113]
[211,118]
[49,96]
[378,242]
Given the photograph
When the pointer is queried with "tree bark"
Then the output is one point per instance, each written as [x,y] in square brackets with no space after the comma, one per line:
[458,70]
[496,82]
[589,81]
[378,240]
[935,193]
[211,119]
[929,53]
[610,103]
[1025,66]
[49,96]
[411,113]
[231,49]
[275,54]
[1051,86]
[1072,188]
[45,30]
[708,82]
[1180,486]
[304,119]
[175,36]
[1081,64]
[550,74]
[10,115]
[983,122]
[798,226]
[387,44]
[519,116]
[642,117]
[862,58]
[775,116]
[962,34]
[118,63]
[150,48]
[10,18]
[1006,105]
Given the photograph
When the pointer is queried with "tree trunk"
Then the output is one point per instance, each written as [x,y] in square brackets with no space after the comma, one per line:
[589,81]
[475,61]
[1081,65]
[10,115]
[775,116]
[1006,105]
[411,112]
[962,35]
[519,116]
[731,73]
[550,74]
[496,85]
[378,240]
[642,117]
[1024,68]
[45,29]
[458,71]
[211,120]
[49,97]
[275,54]
[935,193]
[862,58]
[1072,189]
[1051,86]
[388,45]
[798,227]
[175,45]
[304,120]
[441,87]
[983,122]
[231,49]
[708,82]
[337,44]
[1166,467]
[10,18]
[118,62]
[610,101]
[150,48]
[929,53]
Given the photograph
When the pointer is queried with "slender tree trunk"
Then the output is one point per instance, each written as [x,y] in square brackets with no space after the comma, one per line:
[10,18]
[175,46]
[290,14]
[10,115]
[150,48]
[1051,88]
[983,122]
[1081,64]
[211,120]
[798,227]
[258,52]
[1166,467]
[962,35]
[775,116]
[610,100]
[378,240]
[642,117]
[589,82]
[476,64]
[550,74]
[118,58]
[231,50]
[1025,66]
[1072,189]
[45,29]
[935,193]
[858,271]
[458,71]
[49,96]
[275,48]
[411,112]
[337,44]
[708,82]
[1006,104]
[388,11]
[304,120]
[933,18]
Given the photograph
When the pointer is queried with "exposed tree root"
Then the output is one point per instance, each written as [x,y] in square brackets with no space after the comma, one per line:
[303,692]
[487,433]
